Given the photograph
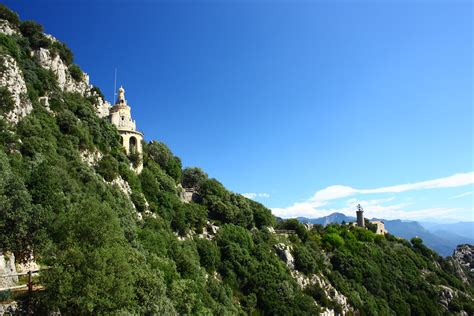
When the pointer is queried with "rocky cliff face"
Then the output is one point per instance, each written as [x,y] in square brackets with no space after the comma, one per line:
[464,255]
[6,28]
[463,262]
[285,253]
[65,81]
[7,267]
[11,77]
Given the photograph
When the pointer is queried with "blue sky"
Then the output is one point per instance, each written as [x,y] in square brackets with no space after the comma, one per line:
[283,100]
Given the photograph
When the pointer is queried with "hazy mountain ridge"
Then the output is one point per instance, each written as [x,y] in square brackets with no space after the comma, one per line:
[465,229]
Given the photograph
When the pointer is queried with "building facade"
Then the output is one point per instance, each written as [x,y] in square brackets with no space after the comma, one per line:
[360,216]
[380,227]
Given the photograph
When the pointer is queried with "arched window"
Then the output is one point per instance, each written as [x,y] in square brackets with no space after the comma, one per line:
[121,141]
[132,145]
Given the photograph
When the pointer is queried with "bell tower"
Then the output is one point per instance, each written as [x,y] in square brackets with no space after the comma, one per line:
[360,216]
[121,116]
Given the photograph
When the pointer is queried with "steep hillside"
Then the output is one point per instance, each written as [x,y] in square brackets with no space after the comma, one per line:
[170,241]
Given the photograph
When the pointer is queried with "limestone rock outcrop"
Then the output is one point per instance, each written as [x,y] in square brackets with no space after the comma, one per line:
[10,308]
[7,267]
[102,107]
[209,231]
[122,185]
[188,195]
[284,252]
[329,291]
[91,158]
[464,254]
[446,295]
[65,81]
[11,77]
[6,28]
[462,261]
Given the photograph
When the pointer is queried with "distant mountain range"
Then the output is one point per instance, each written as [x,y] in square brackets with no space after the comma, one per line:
[443,238]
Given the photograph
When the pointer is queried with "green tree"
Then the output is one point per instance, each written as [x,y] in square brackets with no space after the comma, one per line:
[91,270]
[193,177]
[108,167]
[9,15]
[76,72]
[209,255]
[63,51]
[34,32]
[162,155]
[305,260]
[6,101]
[9,46]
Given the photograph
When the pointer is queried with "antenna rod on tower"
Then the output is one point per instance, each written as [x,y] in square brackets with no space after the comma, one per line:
[115,86]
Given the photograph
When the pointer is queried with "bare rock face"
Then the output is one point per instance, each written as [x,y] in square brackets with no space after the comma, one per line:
[209,231]
[102,107]
[6,28]
[91,158]
[464,254]
[29,265]
[10,308]
[188,195]
[65,81]
[7,267]
[11,77]
[329,291]
[284,252]
[122,185]
[463,262]
[446,295]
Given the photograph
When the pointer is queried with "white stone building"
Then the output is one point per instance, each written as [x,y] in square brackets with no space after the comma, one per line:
[120,115]
[380,227]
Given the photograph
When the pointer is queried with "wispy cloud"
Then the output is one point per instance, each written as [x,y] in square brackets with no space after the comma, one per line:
[340,191]
[318,204]
[462,195]
[256,195]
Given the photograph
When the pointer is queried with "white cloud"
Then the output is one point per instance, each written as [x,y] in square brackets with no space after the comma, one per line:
[315,206]
[256,195]
[303,209]
[340,191]
[457,180]
[462,195]
[333,192]
[250,195]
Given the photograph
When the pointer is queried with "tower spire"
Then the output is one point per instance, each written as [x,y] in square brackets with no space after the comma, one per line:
[121,96]
[115,84]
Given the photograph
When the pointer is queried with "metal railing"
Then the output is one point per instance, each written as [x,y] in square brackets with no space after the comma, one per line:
[28,285]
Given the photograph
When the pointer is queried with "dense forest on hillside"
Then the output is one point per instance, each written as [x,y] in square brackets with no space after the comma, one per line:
[144,250]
